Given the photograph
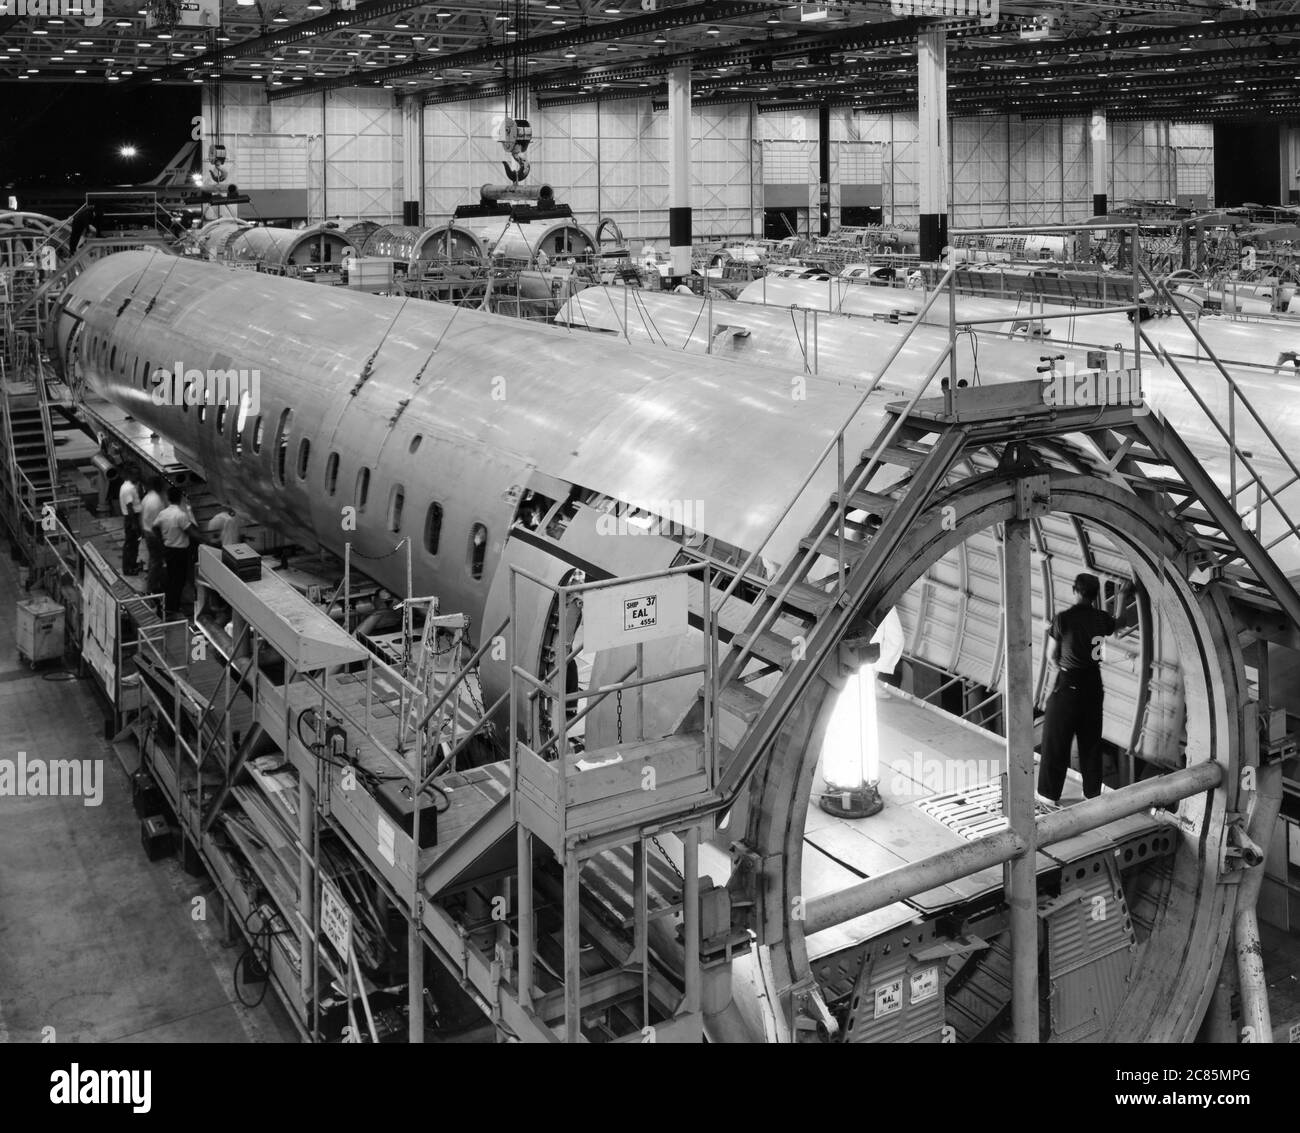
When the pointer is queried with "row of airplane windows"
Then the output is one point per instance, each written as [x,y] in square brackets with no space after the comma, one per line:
[478,539]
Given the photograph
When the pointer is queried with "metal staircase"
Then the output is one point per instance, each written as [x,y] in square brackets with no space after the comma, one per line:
[32,316]
[30,467]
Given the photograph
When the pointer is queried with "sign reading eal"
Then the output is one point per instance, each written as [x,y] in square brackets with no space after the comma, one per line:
[634,612]
[642,612]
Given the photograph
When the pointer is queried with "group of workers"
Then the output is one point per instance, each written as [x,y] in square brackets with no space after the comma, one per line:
[163,517]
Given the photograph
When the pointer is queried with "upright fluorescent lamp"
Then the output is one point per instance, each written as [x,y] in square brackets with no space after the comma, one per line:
[851,749]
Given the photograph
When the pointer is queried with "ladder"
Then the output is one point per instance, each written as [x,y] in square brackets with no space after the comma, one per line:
[33,314]
[419,669]
[31,470]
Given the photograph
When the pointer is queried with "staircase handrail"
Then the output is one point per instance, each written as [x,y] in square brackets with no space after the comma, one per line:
[831,445]
[1235,391]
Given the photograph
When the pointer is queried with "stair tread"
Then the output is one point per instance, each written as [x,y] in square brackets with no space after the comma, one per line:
[803,596]
[1160,484]
[1199,515]
[768,645]
[900,455]
[1146,455]
[868,501]
[830,547]
[741,700]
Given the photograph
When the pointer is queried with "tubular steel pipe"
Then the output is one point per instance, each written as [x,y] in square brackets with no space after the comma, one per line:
[1020,879]
[1256,1019]
[994,849]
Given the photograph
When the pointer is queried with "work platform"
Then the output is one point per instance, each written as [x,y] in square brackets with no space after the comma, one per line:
[941,787]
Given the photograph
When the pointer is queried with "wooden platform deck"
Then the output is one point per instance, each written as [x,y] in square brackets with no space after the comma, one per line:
[928,754]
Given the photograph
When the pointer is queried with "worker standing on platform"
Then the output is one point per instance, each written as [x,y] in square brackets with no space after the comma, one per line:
[174,524]
[152,505]
[128,498]
[1074,707]
[225,528]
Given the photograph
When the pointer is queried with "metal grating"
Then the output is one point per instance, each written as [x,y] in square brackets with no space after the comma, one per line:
[972,813]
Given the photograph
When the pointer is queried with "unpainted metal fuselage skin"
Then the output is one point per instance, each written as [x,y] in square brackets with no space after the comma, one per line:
[495,402]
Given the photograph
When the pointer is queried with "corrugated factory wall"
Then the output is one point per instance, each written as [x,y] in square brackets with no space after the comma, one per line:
[344,148]
[606,161]
[611,160]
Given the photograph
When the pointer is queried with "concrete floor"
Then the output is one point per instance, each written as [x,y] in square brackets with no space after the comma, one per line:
[96,942]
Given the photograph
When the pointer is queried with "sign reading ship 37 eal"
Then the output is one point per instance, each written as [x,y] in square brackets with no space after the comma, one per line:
[634,612]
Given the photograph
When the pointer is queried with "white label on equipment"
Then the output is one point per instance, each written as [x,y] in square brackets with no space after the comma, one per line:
[335,918]
[386,831]
[889,998]
[925,984]
[641,613]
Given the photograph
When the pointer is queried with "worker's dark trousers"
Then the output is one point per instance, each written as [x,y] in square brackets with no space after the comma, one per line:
[130,542]
[154,582]
[177,562]
[1073,712]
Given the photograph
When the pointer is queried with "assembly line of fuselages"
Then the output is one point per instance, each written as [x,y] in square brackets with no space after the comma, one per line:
[844,333]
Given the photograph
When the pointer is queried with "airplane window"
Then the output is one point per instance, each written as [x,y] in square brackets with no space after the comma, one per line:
[477,550]
[241,419]
[112,358]
[282,444]
[433,528]
[363,488]
[332,473]
[304,457]
[396,498]
[415,443]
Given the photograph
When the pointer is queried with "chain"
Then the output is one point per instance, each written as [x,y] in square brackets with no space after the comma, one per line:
[618,696]
[671,864]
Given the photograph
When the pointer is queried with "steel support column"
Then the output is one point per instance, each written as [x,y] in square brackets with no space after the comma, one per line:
[524,895]
[1100,168]
[1021,881]
[412,160]
[679,169]
[932,130]
[824,168]
[1256,1020]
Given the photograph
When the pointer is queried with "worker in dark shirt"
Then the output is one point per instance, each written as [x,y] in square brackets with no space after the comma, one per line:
[1074,708]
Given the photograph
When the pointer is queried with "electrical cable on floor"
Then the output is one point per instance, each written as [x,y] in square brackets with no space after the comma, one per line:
[267,932]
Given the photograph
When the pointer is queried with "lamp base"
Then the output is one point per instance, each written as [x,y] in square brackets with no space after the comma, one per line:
[852,802]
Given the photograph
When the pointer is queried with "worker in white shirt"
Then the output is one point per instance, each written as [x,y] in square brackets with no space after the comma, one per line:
[150,508]
[174,524]
[225,527]
[128,498]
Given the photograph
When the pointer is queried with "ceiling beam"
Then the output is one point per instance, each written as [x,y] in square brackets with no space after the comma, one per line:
[664,19]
